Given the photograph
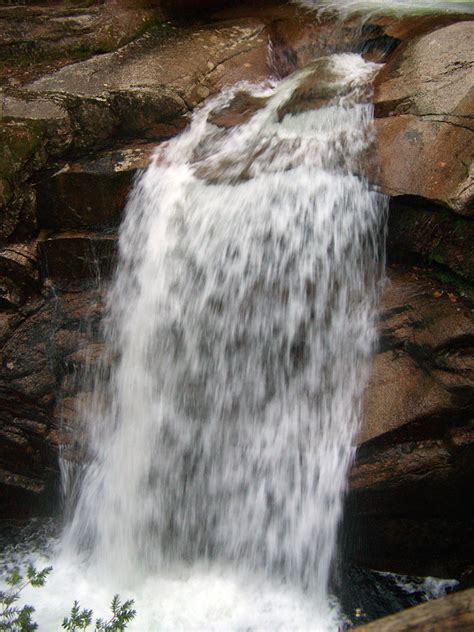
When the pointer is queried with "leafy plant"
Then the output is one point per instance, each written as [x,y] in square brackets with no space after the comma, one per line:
[14,618]
[122,614]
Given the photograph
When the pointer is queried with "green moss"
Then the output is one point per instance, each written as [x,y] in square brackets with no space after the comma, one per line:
[436,257]
[459,284]
[18,144]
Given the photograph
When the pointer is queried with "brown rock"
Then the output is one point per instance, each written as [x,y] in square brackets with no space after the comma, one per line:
[62,30]
[452,613]
[400,392]
[18,273]
[40,354]
[424,100]
[166,76]
[435,154]
[406,509]
[421,337]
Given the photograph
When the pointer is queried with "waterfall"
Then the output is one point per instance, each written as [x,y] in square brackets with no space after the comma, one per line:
[240,324]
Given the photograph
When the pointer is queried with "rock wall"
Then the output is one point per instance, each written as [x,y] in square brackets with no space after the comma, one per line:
[73,138]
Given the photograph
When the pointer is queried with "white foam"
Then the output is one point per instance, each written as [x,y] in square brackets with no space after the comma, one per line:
[182,598]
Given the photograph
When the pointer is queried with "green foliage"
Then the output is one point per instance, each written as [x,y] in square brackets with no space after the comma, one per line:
[14,618]
[122,614]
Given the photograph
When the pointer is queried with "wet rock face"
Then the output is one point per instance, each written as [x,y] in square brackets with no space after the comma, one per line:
[423,368]
[406,507]
[39,364]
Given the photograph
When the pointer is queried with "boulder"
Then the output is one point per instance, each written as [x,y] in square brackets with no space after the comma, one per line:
[423,103]
[146,88]
[453,613]
[159,77]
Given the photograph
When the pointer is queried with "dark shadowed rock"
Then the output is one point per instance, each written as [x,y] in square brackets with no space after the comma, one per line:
[92,192]
[70,259]
[433,233]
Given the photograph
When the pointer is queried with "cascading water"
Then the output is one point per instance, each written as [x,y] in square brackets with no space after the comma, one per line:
[241,320]
[239,328]
[387,7]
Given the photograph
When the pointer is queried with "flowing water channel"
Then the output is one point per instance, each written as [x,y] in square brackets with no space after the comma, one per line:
[239,330]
